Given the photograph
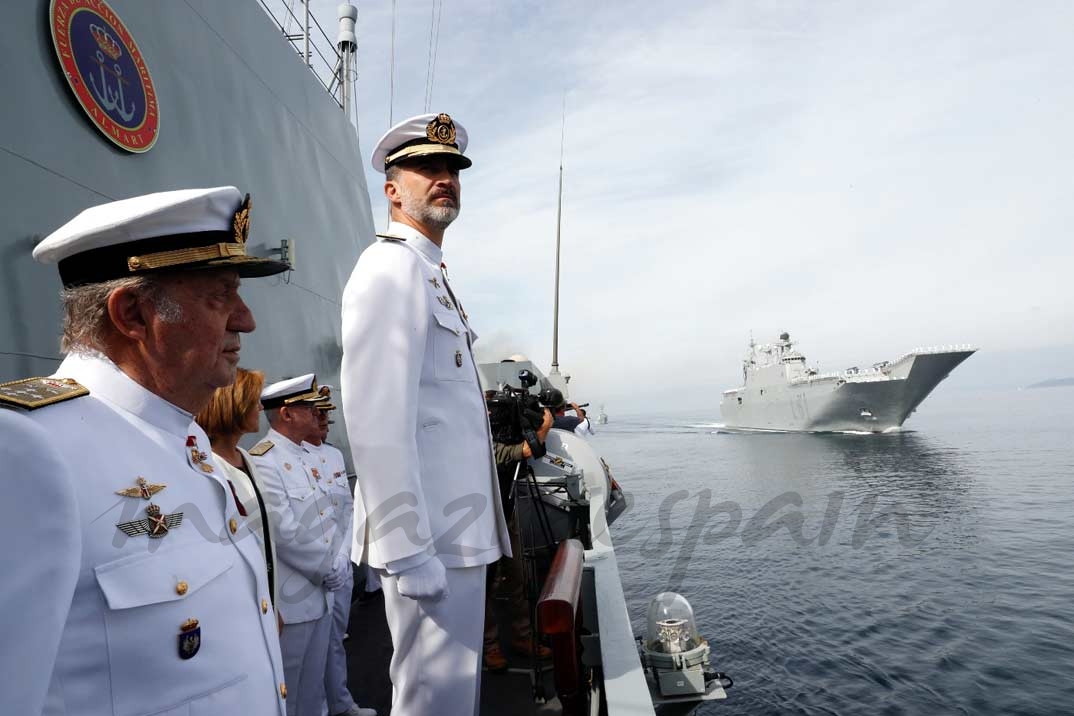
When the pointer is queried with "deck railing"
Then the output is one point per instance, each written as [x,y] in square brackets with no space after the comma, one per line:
[317,50]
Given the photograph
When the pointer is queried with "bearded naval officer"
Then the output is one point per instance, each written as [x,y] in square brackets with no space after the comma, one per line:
[166,604]
[303,524]
[418,428]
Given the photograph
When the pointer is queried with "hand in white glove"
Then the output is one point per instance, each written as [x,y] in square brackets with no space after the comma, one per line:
[426,581]
[337,576]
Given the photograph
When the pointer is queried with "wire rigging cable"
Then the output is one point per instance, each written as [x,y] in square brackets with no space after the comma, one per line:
[434,46]
[391,74]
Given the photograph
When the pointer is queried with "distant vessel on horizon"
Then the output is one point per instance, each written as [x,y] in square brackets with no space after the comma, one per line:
[781,393]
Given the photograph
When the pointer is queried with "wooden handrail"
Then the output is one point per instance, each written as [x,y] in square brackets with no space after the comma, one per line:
[559,617]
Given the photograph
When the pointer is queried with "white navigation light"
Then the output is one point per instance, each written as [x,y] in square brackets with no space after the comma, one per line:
[675,655]
[671,628]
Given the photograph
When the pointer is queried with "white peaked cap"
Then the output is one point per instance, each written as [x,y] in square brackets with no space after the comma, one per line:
[421,136]
[302,389]
[167,231]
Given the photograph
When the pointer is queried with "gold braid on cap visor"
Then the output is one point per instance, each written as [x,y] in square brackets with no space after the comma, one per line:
[163,259]
[423,148]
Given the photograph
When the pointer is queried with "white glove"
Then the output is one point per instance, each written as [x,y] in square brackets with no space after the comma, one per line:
[426,581]
[337,576]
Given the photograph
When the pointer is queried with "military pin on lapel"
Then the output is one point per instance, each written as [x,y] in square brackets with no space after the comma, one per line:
[144,489]
[189,639]
[197,457]
[445,302]
[434,282]
[156,524]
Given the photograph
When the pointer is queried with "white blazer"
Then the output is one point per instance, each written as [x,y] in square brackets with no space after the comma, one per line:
[415,413]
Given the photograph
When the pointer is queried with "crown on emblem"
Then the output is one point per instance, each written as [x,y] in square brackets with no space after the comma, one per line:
[109,46]
[441,130]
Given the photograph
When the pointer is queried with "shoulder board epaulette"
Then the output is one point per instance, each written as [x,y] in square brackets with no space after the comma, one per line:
[261,448]
[33,393]
[390,237]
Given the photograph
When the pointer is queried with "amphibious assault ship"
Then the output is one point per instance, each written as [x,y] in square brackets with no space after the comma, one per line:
[781,393]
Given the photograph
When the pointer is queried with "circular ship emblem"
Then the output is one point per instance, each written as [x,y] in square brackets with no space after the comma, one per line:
[106,72]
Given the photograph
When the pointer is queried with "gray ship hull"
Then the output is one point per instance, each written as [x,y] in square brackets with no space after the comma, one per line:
[872,402]
[237,106]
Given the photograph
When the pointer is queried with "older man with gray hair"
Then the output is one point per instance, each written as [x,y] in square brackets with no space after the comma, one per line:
[161,602]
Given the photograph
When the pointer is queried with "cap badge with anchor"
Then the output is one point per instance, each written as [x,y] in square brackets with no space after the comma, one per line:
[425,135]
[168,231]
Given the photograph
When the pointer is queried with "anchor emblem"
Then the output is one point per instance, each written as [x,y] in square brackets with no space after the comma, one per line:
[110,99]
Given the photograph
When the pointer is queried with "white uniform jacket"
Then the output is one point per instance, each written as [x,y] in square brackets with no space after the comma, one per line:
[334,469]
[129,643]
[302,526]
[415,413]
[41,561]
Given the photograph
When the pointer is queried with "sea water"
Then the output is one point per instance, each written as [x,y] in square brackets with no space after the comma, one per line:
[928,571]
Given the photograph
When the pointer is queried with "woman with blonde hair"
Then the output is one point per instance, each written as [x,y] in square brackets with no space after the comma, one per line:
[232,412]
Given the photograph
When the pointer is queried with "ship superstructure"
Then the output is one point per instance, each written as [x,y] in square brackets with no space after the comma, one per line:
[782,392]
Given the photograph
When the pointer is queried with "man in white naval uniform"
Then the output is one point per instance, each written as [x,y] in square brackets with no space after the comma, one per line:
[303,525]
[418,429]
[333,467]
[166,607]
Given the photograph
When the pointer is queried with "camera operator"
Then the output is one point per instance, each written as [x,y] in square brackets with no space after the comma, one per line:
[509,455]
[577,423]
[519,428]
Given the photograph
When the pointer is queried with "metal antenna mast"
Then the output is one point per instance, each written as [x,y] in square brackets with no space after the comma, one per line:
[559,217]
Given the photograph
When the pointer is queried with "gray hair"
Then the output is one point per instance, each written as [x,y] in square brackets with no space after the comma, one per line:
[86,324]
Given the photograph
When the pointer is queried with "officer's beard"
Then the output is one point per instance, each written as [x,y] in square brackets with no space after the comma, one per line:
[416,207]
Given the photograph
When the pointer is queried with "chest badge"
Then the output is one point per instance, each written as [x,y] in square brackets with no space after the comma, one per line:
[434,282]
[189,639]
[287,466]
[316,473]
[144,489]
[156,524]
[458,359]
[445,302]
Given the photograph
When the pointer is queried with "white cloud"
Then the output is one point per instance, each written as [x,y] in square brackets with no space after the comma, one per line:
[869,177]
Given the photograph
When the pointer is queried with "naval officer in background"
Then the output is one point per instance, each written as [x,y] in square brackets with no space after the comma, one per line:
[340,702]
[418,428]
[303,525]
[163,597]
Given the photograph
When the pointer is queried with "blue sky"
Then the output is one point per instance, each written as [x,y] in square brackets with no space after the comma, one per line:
[868,176]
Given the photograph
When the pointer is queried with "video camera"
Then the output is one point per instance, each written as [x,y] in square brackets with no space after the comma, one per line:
[515,414]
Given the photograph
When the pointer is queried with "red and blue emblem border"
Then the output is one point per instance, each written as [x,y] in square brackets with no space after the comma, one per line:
[138,139]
